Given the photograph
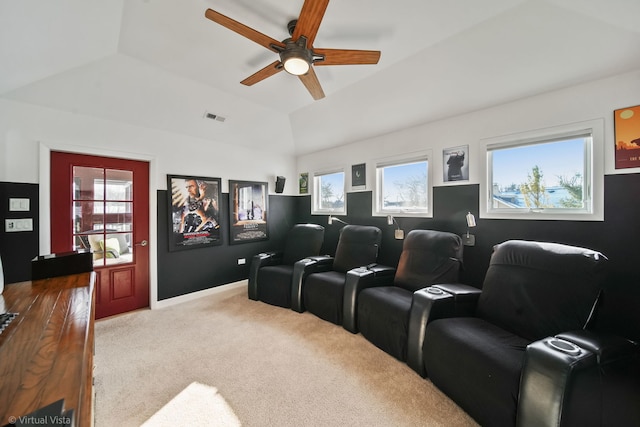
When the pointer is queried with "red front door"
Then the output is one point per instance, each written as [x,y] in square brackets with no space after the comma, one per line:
[102,204]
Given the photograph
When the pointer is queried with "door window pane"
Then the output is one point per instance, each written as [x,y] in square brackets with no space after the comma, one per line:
[119,185]
[103,214]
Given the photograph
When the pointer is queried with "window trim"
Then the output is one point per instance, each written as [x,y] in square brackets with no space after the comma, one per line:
[376,207]
[594,163]
[315,193]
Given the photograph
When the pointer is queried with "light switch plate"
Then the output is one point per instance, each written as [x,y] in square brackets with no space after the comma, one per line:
[18,205]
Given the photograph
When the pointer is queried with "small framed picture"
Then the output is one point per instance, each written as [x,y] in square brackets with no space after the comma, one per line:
[456,163]
[359,175]
[304,183]
[248,206]
[627,133]
[194,212]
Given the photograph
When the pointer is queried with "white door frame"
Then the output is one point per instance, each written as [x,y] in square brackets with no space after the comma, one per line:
[45,201]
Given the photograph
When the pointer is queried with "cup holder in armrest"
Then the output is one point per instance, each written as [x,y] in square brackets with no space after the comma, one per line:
[434,290]
[564,346]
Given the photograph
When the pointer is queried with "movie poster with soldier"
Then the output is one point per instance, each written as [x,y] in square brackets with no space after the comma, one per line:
[456,164]
[194,211]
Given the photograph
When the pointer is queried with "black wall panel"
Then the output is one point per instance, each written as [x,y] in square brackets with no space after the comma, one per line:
[183,272]
[192,270]
[18,248]
[451,205]
[617,237]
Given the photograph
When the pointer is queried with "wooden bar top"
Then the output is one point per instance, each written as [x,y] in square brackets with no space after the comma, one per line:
[46,352]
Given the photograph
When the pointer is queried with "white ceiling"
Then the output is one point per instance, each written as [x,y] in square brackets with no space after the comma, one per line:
[162,64]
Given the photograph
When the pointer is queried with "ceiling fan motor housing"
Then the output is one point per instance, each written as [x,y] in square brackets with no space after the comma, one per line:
[291,26]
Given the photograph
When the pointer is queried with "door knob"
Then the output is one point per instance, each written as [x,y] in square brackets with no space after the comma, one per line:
[143,243]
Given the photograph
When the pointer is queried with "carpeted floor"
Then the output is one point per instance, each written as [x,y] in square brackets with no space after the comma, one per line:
[196,405]
[273,367]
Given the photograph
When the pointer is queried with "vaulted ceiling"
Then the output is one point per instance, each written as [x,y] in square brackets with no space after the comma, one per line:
[162,64]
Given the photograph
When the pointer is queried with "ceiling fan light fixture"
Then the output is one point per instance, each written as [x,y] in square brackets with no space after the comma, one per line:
[296,66]
[295,57]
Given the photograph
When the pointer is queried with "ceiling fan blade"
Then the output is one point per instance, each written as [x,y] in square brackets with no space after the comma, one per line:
[268,71]
[347,57]
[311,82]
[309,20]
[243,30]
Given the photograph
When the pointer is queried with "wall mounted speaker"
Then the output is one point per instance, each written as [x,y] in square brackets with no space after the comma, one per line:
[280,184]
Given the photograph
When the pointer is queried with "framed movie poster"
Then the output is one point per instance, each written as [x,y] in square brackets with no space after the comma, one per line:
[456,163]
[194,211]
[248,207]
[627,129]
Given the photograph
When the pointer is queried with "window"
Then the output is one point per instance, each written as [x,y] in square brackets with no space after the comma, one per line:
[103,213]
[550,174]
[329,193]
[403,188]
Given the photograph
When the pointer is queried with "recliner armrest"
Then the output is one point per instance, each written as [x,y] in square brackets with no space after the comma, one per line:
[606,347]
[301,269]
[258,261]
[465,297]
[580,378]
[431,303]
[358,279]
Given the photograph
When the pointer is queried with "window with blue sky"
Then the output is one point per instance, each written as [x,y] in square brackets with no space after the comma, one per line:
[329,193]
[403,188]
[545,174]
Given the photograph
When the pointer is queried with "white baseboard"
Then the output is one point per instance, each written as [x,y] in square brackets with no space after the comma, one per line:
[222,289]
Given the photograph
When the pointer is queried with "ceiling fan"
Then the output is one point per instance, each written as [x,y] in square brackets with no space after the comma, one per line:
[297,54]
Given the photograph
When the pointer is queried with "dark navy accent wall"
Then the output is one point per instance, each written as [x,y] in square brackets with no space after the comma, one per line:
[192,270]
[617,237]
[451,205]
[18,248]
[187,271]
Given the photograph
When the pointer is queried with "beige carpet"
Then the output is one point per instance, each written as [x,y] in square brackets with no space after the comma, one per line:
[272,366]
[196,405]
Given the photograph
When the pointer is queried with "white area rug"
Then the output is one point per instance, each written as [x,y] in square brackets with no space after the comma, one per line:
[196,405]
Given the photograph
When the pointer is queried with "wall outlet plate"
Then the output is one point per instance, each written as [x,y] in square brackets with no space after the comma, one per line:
[18,224]
[468,240]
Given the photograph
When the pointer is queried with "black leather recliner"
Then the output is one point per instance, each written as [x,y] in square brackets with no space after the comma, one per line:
[526,356]
[322,291]
[383,310]
[271,273]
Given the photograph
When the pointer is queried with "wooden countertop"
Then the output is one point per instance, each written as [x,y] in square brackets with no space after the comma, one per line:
[46,352]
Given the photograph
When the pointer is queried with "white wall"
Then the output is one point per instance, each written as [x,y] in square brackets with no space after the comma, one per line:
[593,100]
[23,126]
[28,133]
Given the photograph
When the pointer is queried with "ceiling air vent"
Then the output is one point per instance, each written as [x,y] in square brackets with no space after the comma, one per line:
[214,117]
